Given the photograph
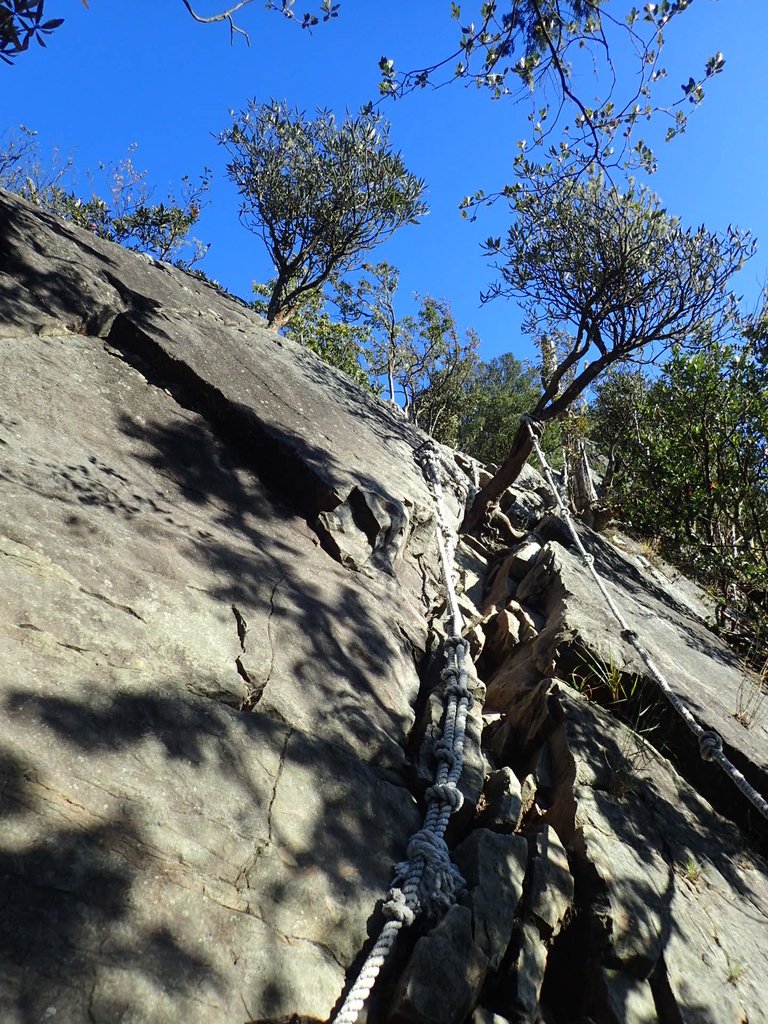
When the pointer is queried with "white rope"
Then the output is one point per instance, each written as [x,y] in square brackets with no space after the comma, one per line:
[710,743]
[427,882]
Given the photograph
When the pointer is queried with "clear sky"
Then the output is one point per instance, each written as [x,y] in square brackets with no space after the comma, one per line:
[141,71]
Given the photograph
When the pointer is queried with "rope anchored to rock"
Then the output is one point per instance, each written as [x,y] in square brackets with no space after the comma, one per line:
[428,882]
[710,743]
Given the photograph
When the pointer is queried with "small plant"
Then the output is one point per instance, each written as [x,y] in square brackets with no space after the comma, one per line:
[736,970]
[595,675]
[752,698]
[692,871]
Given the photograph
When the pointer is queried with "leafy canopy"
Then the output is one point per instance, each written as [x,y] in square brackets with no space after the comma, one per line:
[21,21]
[610,274]
[570,50]
[604,276]
[319,193]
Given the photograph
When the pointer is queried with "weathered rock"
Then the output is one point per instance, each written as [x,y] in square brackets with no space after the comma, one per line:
[493,867]
[523,987]
[443,978]
[503,801]
[677,895]
[203,779]
[219,578]
[549,886]
[701,670]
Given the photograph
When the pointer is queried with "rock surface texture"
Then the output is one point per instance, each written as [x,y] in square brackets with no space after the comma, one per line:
[220,615]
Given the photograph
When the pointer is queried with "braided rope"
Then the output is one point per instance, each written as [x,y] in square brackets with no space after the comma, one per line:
[427,882]
[710,743]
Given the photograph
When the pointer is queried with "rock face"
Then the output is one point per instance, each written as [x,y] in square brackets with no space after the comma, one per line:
[220,615]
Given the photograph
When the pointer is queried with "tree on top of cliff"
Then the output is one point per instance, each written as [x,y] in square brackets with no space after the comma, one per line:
[319,193]
[613,276]
[122,210]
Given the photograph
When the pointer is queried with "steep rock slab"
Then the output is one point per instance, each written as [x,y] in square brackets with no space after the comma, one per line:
[202,785]
[672,900]
[580,630]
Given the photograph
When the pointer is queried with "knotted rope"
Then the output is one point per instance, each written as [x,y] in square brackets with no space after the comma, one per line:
[710,743]
[427,882]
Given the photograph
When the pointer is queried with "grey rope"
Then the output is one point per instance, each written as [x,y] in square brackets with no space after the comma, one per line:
[427,882]
[710,743]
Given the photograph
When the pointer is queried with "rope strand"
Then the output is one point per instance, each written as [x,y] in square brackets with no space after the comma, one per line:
[427,882]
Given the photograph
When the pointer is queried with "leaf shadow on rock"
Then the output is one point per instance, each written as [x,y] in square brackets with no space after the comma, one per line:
[266,569]
[68,896]
[62,894]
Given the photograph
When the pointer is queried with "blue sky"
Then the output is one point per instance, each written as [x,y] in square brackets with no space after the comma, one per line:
[141,71]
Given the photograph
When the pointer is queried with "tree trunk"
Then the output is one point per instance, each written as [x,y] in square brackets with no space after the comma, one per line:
[522,446]
[278,313]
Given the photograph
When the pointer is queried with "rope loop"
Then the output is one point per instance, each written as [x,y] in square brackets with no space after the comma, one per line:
[428,881]
[710,745]
[447,793]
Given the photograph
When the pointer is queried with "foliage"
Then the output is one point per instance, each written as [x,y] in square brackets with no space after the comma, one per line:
[611,273]
[125,214]
[518,47]
[21,21]
[422,358]
[438,369]
[498,394]
[370,302]
[689,455]
[318,193]
[338,343]
[608,275]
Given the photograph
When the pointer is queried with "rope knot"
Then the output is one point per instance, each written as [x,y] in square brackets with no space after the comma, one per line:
[457,643]
[441,881]
[444,752]
[460,692]
[395,908]
[710,744]
[630,636]
[446,793]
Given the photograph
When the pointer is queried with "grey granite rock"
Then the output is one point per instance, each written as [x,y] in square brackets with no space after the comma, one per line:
[443,978]
[493,867]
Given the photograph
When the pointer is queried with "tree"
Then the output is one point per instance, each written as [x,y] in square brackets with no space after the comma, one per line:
[689,456]
[370,302]
[518,47]
[422,357]
[21,21]
[614,275]
[338,343]
[318,193]
[433,378]
[124,214]
[498,393]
